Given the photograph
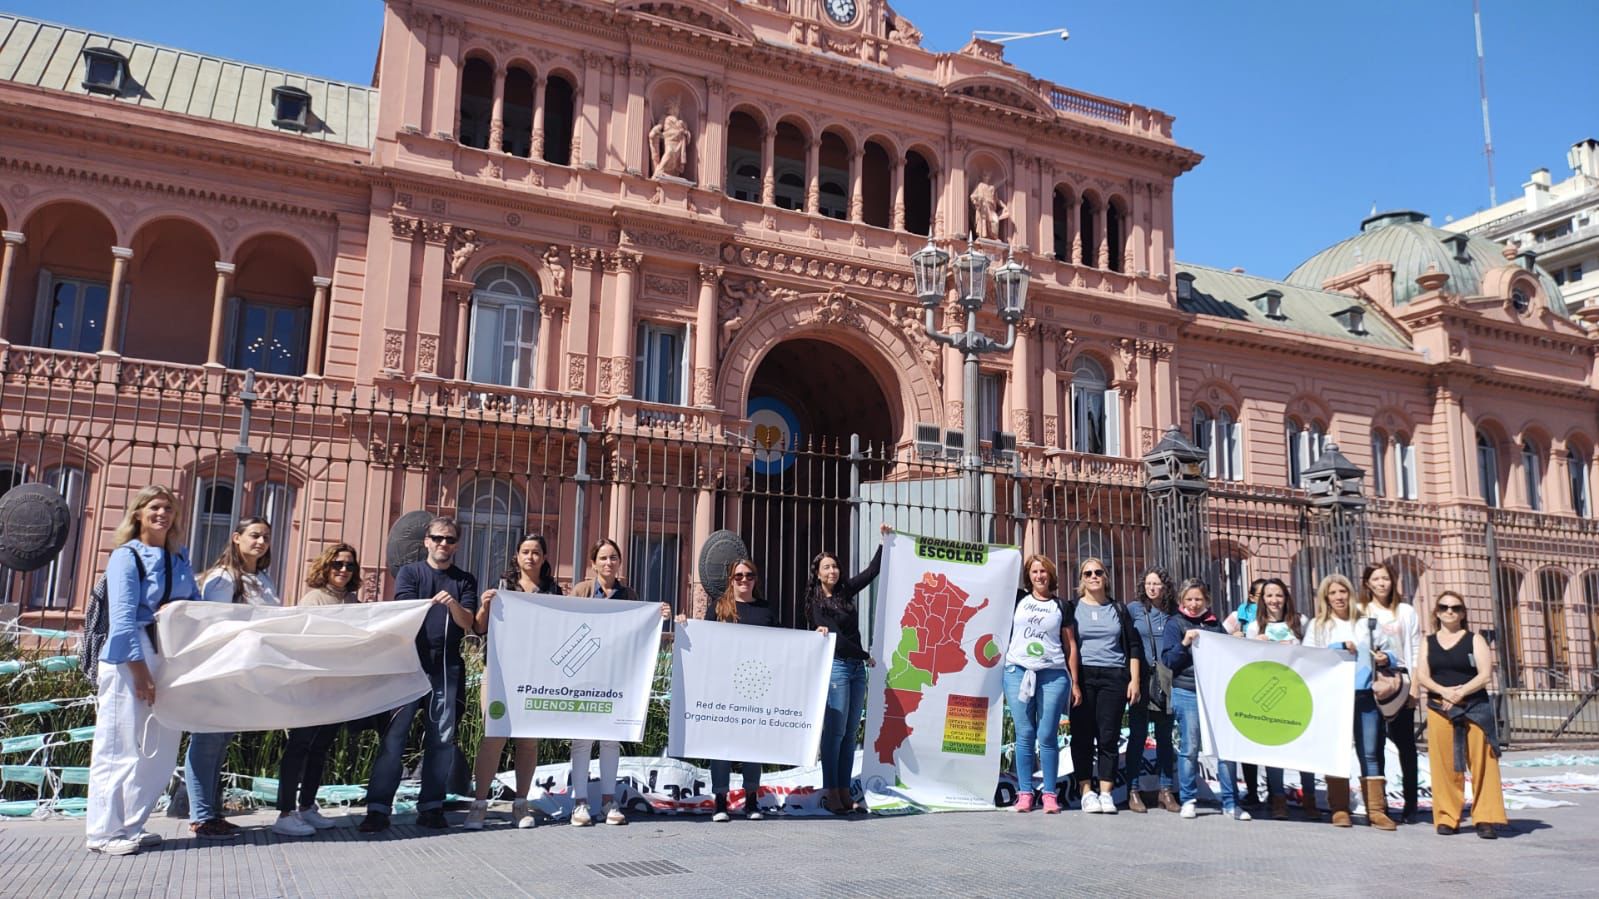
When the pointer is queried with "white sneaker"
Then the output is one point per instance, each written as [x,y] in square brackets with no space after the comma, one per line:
[290,825]
[148,840]
[721,817]
[613,815]
[475,815]
[755,816]
[1090,804]
[1190,809]
[1237,813]
[522,815]
[581,816]
[1107,804]
[117,846]
[313,816]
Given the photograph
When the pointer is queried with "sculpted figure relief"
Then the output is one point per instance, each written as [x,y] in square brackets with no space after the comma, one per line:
[987,210]
[556,268]
[466,243]
[669,141]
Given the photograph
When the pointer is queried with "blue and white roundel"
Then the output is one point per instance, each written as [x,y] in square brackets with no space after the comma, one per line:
[775,431]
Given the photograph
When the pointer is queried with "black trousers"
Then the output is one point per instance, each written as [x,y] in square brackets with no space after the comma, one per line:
[1402,731]
[1097,722]
[304,756]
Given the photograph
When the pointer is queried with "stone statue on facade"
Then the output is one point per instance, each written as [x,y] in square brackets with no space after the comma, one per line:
[669,141]
[464,245]
[987,210]
[555,267]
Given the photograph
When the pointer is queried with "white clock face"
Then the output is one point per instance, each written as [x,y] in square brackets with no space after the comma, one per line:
[841,11]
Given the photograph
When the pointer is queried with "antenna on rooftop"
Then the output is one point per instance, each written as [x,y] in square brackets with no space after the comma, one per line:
[1482,89]
[1005,37]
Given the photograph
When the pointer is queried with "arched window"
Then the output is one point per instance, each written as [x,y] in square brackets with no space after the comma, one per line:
[743,157]
[517,117]
[492,515]
[1405,468]
[1590,600]
[877,187]
[55,585]
[1552,594]
[1096,412]
[1532,474]
[1303,445]
[1379,463]
[1204,438]
[1113,234]
[505,328]
[833,180]
[560,119]
[477,102]
[1087,211]
[1488,468]
[1227,449]
[1577,476]
[211,522]
[1061,209]
[1507,594]
[918,194]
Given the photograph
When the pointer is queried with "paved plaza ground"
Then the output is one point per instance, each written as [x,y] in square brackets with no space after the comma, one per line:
[1548,852]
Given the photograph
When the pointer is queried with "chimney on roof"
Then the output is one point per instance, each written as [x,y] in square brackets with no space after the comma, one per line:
[1584,159]
[1537,190]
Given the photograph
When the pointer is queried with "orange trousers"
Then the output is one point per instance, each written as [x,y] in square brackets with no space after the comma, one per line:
[1449,785]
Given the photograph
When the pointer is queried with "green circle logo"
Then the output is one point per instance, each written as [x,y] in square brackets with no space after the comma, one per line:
[1269,703]
[496,710]
[1035,649]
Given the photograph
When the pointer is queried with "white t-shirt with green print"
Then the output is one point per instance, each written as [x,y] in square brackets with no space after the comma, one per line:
[1035,635]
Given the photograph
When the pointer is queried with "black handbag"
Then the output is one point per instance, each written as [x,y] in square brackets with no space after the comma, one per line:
[1157,684]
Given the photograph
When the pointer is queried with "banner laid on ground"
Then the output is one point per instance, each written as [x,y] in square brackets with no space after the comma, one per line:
[562,666]
[934,702]
[749,694]
[1275,704]
[227,667]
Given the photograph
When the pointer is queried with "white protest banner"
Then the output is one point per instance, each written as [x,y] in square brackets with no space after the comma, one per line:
[1275,704]
[748,694]
[934,701]
[563,666]
[228,667]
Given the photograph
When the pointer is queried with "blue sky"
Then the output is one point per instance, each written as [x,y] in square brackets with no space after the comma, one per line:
[1307,112]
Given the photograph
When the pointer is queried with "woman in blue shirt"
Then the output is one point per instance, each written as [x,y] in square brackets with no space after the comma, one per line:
[133,752]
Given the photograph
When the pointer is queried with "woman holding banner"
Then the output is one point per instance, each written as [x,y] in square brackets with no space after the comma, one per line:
[1461,734]
[1339,626]
[530,574]
[605,563]
[1278,622]
[1111,657]
[740,603]
[146,570]
[830,608]
[305,752]
[1193,617]
[1237,624]
[1380,598]
[1150,614]
[239,576]
[1040,673]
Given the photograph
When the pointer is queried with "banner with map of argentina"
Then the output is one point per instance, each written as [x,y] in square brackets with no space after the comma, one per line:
[934,699]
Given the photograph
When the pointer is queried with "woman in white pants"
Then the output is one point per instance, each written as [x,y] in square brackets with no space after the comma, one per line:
[133,753]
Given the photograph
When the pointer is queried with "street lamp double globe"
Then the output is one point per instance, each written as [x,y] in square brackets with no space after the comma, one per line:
[931,269]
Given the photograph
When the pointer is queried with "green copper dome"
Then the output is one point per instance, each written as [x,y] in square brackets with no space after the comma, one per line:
[1410,244]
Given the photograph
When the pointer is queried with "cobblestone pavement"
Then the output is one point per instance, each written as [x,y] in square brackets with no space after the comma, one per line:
[1544,852]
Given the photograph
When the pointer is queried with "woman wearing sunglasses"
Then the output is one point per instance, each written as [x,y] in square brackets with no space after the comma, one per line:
[1110,658]
[530,573]
[1456,670]
[332,580]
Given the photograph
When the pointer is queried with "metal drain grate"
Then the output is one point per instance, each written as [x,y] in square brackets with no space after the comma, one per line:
[639,869]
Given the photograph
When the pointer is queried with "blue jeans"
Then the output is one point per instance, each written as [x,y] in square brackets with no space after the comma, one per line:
[846,699]
[1037,723]
[1139,718]
[1369,733]
[441,712]
[1185,704]
[202,775]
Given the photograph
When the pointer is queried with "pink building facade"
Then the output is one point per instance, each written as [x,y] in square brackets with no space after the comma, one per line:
[654,219]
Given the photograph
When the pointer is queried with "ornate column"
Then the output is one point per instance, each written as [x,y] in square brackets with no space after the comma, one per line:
[1137,262]
[414,52]
[396,312]
[1159,233]
[460,293]
[1074,231]
[954,374]
[1049,354]
[638,126]
[586,134]
[430,309]
[319,314]
[1046,211]
[705,337]
[447,83]
[497,116]
[897,220]
[813,176]
[1022,381]
[113,315]
[538,115]
[768,177]
[541,366]
[626,263]
[1101,252]
[712,147]
[13,240]
[584,262]
[219,308]
[856,206]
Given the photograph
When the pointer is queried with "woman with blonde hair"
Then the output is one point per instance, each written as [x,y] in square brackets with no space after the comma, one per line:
[1110,657]
[132,756]
[1339,626]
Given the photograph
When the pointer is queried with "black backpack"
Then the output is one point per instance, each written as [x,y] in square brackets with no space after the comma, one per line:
[97,617]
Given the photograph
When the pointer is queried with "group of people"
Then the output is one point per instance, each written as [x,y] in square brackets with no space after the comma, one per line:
[1092,658]
[1108,659]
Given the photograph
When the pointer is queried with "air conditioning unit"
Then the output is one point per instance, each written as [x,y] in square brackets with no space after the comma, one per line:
[1004,446]
[929,441]
[954,444]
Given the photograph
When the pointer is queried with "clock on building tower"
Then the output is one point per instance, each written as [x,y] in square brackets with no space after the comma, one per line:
[840,11]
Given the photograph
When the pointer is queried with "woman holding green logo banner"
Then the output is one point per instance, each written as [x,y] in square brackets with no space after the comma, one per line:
[1193,616]
[1278,622]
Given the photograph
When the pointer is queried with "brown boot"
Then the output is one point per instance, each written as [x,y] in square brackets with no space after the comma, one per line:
[1375,790]
[1135,802]
[1338,801]
[1279,808]
[1169,802]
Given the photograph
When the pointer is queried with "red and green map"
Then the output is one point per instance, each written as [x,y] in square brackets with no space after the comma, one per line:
[931,632]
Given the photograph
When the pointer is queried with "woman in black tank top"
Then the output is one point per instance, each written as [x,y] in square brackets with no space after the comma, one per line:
[1456,670]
